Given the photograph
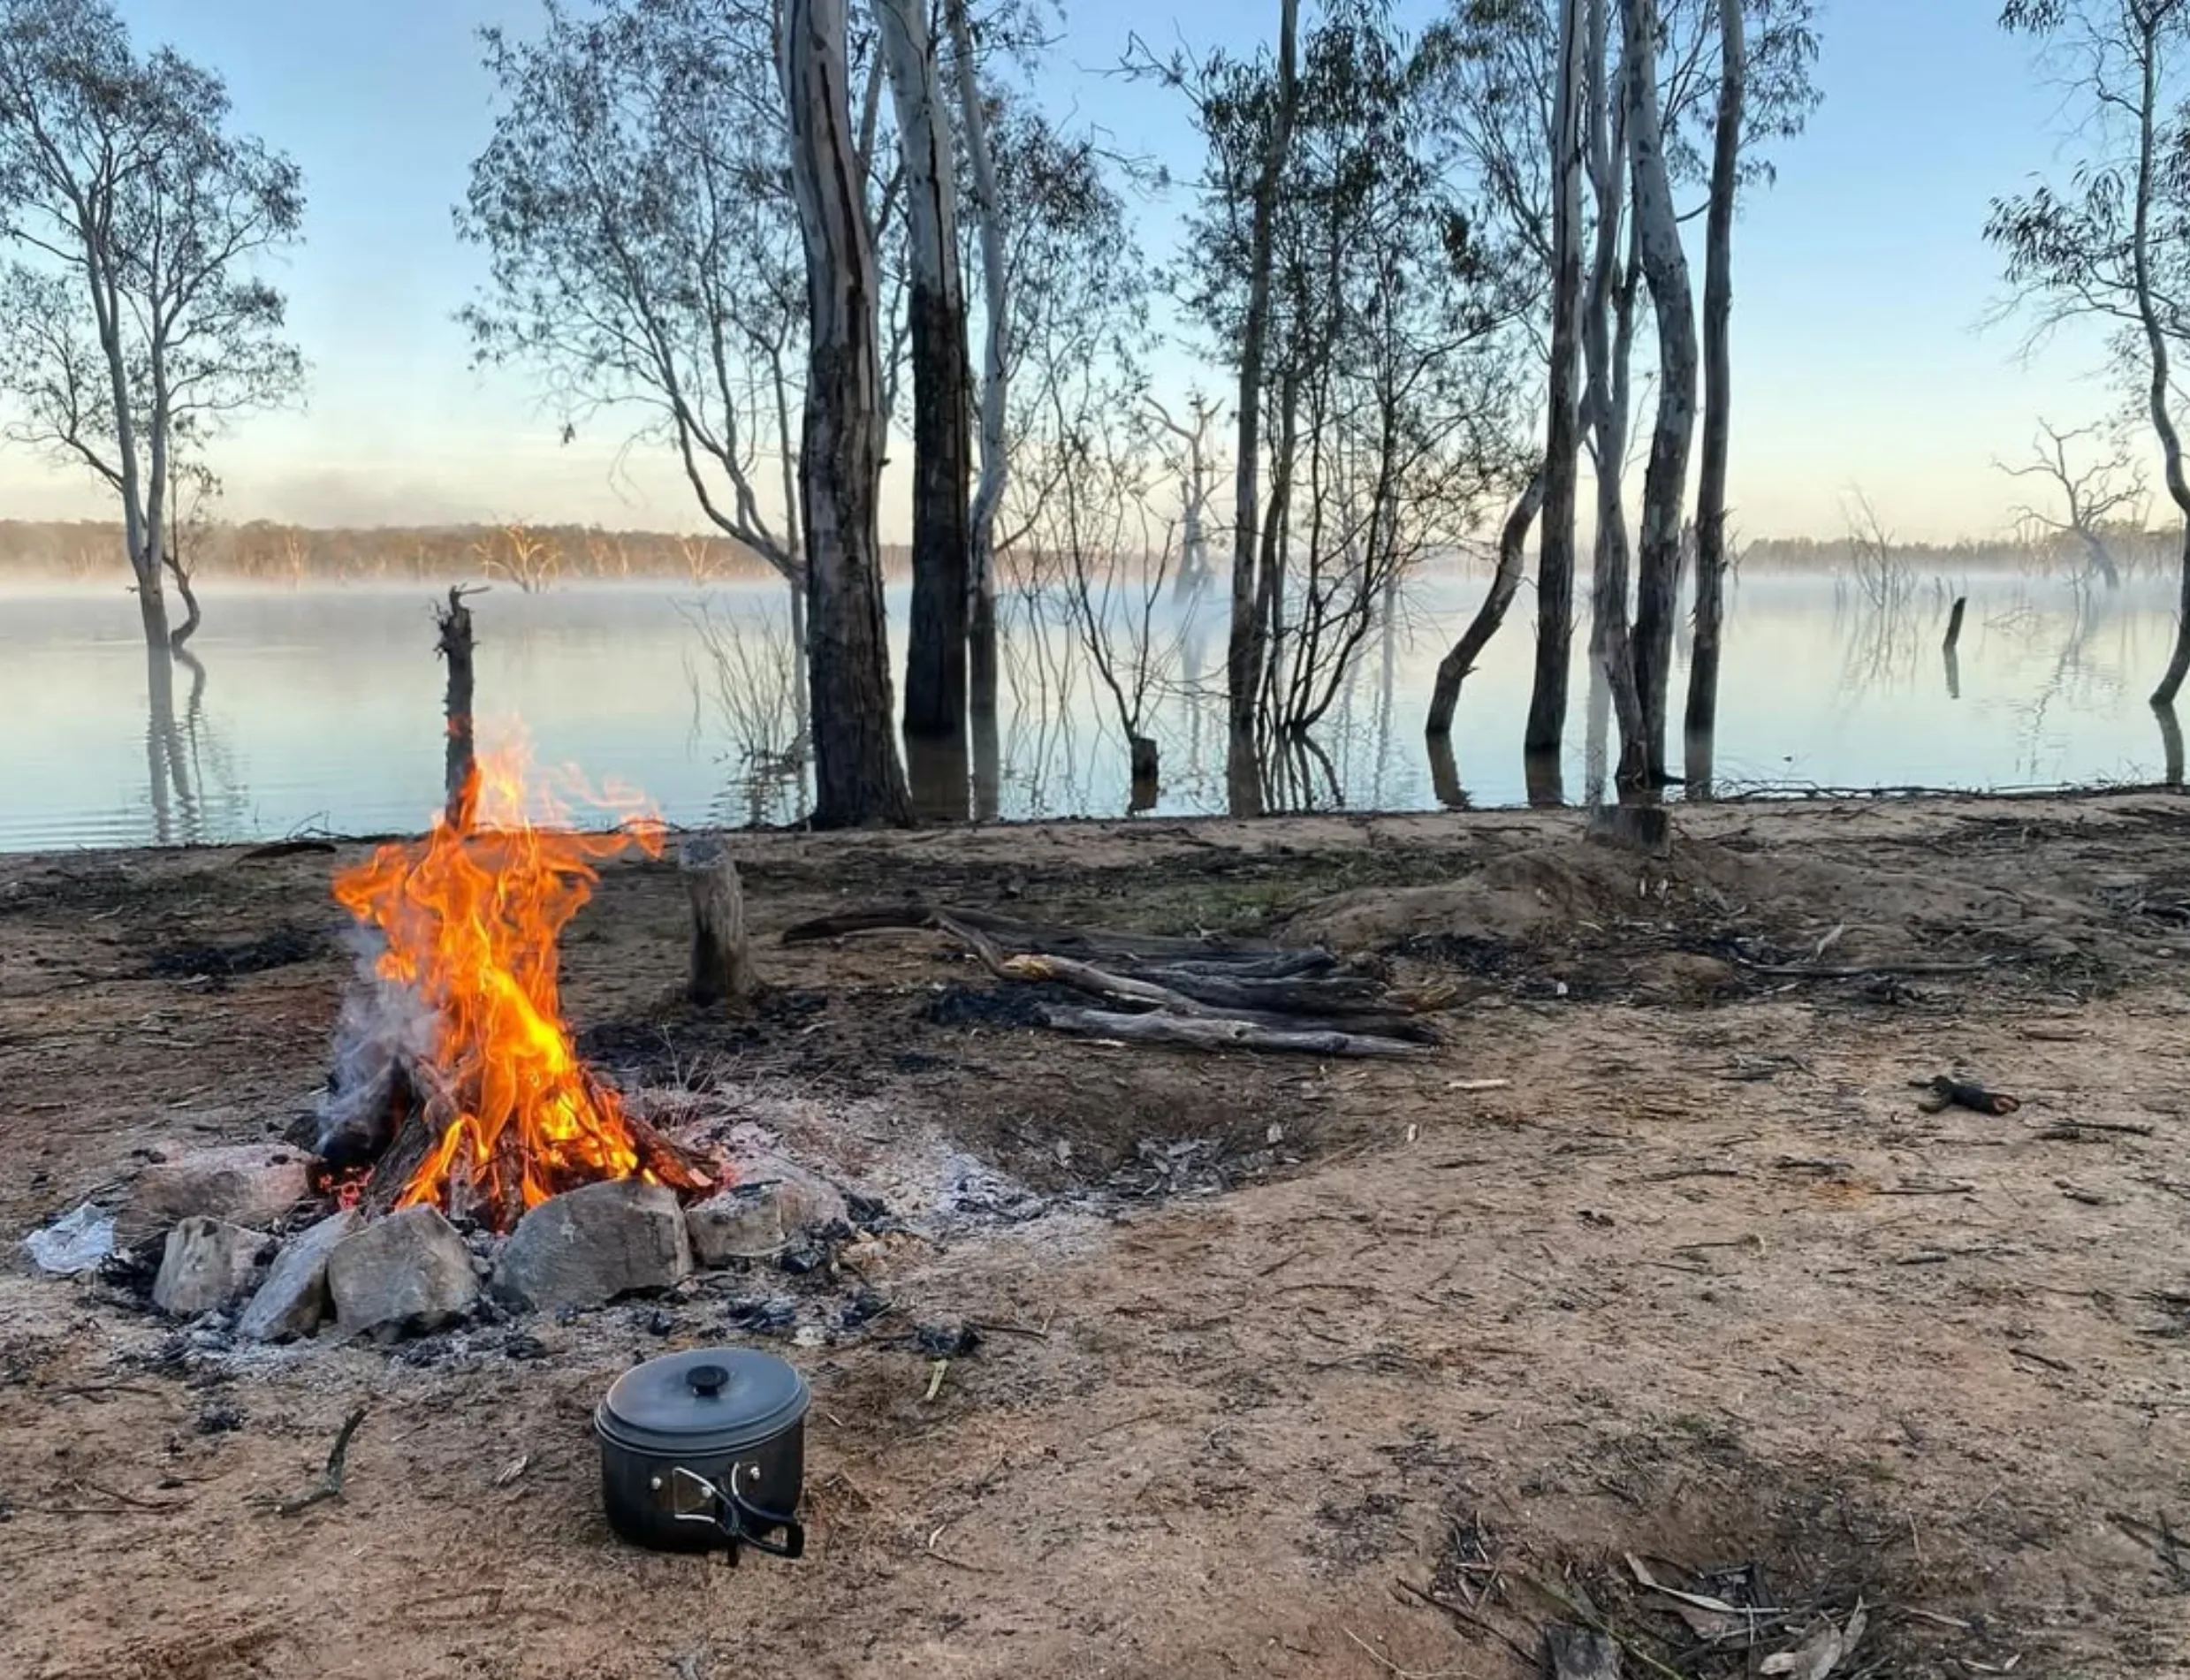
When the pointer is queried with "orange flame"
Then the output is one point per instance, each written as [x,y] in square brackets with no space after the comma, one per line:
[470,916]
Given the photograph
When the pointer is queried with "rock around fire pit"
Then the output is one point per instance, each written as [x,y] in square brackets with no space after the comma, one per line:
[290,1270]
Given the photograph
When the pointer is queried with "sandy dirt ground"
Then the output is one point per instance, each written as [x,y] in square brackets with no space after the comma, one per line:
[1290,1368]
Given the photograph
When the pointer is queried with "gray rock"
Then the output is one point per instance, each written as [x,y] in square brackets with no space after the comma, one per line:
[292,1301]
[251,1184]
[806,1199]
[744,1223]
[588,1246]
[206,1264]
[407,1273]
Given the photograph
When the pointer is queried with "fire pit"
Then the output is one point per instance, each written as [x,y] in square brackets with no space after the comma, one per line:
[457,1086]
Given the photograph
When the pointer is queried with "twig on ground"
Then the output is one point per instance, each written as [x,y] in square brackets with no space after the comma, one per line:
[1589,1618]
[1027,1330]
[90,1486]
[1860,970]
[944,1557]
[2069,1130]
[2157,1538]
[1389,1667]
[1461,1613]
[330,1478]
[1203,1033]
[1931,1616]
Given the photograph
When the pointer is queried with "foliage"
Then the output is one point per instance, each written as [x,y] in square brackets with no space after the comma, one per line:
[644,250]
[132,326]
[1395,410]
[1493,60]
[1077,291]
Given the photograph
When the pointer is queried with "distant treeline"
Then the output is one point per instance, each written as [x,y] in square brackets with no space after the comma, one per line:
[536,557]
[533,557]
[2132,550]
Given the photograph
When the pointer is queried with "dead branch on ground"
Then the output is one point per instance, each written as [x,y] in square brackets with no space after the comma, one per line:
[329,1483]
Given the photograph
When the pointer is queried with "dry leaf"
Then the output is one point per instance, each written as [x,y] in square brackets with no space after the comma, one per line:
[1820,1654]
[1707,1617]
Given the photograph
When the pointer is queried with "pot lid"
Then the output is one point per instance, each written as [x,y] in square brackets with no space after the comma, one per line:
[708,1400]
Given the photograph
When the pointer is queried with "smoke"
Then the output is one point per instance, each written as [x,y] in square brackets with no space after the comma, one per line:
[385,1037]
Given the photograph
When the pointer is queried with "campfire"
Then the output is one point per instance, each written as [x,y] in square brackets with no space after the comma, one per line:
[457,1084]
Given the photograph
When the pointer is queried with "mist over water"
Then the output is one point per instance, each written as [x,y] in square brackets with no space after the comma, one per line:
[319,710]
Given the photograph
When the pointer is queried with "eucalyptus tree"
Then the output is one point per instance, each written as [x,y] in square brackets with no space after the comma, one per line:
[1379,341]
[858,778]
[935,653]
[1768,50]
[985,196]
[1665,480]
[2113,245]
[1522,104]
[133,322]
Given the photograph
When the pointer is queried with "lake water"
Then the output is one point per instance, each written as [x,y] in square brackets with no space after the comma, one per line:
[321,710]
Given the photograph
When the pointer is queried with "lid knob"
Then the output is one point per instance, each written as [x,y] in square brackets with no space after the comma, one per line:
[707,1380]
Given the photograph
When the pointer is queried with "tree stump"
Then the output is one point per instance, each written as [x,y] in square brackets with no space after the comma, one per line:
[722,953]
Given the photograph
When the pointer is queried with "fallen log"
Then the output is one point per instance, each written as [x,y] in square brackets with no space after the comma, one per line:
[1344,995]
[1384,1023]
[1090,945]
[1208,1033]
[1296,1014]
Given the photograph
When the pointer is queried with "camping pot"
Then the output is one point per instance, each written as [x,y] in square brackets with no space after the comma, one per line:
[705,1450]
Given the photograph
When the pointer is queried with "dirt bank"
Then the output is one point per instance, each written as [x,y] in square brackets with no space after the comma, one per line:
[1275,1348]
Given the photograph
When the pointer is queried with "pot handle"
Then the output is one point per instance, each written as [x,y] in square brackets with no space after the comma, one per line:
[742,1522]
[748,1522]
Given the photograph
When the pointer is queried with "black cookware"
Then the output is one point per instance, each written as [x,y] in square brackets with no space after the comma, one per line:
[705,1450]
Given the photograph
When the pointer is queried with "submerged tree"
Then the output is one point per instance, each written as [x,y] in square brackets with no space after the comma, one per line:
[1380,344]
[2093,495]
[2114,245]
[132,325]
[1510,66]
[935,655]
[858,778]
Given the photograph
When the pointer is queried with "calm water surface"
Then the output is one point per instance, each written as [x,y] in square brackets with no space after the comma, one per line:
[321,710]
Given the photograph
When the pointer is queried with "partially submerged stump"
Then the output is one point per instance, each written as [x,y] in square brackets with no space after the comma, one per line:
[454,645]
[722,952]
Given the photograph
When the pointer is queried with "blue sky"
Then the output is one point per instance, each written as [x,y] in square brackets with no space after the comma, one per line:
[1859,277]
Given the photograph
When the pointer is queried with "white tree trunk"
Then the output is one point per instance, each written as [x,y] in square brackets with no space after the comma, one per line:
[1718,307]
[2148,49]
[1248,650]
[1554,564]
[1665,480]
[1605,403]
[988,494]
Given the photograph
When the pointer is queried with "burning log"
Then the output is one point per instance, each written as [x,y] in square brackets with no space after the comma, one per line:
[457,1077]
[722,954]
